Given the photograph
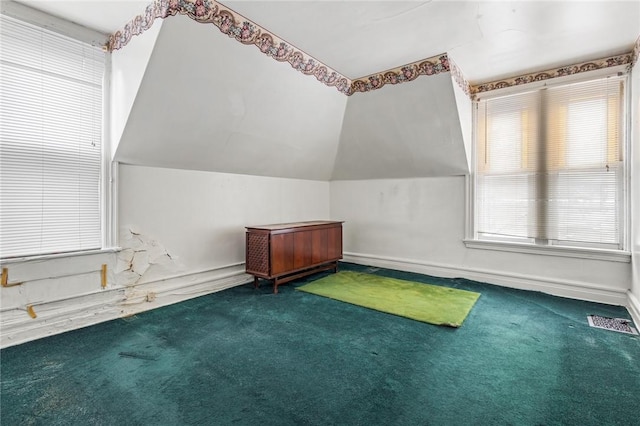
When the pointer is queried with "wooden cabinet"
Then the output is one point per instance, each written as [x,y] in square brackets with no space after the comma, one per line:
[286,251]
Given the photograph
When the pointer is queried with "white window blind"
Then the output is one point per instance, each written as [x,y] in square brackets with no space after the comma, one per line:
[550,166]
[50,142]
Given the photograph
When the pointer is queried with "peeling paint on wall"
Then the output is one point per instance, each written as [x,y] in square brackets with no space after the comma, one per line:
[142,259]
[66,293]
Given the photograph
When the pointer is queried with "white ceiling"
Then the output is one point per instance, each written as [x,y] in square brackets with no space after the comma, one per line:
[488,40]
[105,16]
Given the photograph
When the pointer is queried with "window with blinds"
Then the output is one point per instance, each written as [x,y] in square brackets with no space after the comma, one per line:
[50,142]
[550,165]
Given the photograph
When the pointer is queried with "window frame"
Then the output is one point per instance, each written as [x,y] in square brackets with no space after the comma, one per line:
[576,250]
[108,173]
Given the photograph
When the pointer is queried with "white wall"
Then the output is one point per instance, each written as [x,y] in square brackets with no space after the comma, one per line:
[199,217]
[419,225]
[128,66]
[55,294]
[465,115]
[634,295]
[182,232]
[182,236]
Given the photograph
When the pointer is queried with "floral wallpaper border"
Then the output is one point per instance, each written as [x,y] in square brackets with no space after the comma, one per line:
[430,66]
[236,26]
[138,25]
[553,73]
[247,32]
[635,54]
[457,75]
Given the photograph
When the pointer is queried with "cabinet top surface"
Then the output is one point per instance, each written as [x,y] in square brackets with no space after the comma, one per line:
[279,226]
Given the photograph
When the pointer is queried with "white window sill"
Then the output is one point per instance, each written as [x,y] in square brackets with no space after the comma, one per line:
[563,251]
[14,260]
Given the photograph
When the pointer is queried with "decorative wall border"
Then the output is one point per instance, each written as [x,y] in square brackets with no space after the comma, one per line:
[457,75]
[247,32]
[236,26]
[409,72]
[635,53]
[138,25]
[553,73]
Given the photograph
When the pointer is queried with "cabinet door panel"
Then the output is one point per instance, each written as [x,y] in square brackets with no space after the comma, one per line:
[335,243]
[319,250]
[281,253]
[302,242]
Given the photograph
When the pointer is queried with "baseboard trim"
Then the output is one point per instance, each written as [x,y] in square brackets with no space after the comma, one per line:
[59,316]
[563,288]
[162,292]
[633,306]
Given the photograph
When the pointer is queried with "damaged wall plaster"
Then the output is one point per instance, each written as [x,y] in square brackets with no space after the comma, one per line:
[63,294]
[142,259]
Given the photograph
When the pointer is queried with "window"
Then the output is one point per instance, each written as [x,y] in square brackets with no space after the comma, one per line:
[50,142]
[549,166]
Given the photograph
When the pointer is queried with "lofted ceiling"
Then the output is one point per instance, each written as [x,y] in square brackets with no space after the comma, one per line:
[488,39]
[184,95]
[208,103]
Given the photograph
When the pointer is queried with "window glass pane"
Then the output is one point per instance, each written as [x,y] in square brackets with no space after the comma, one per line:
[584,206]
[550,165]
[507,206]
[50,142]
[507,155]
[505,132]
[586,127]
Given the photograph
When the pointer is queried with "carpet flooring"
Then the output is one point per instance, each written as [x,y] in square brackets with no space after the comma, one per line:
[247,357]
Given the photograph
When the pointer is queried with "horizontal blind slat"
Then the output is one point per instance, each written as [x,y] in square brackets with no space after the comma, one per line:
[549,163]
[50,141]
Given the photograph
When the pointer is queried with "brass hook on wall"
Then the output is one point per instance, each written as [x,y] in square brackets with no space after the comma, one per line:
[5,279]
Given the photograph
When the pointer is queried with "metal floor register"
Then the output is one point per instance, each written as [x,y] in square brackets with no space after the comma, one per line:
[620,325]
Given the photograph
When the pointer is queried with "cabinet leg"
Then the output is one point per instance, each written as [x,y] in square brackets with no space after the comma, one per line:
[275,286]
[256,283]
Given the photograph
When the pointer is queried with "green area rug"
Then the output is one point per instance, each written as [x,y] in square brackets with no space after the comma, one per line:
[422,302]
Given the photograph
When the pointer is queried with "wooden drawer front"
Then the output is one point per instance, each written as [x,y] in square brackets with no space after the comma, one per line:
[282,253]
[257,253]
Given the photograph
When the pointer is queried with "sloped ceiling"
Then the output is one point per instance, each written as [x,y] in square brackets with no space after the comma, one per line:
[409,130]
[207,102]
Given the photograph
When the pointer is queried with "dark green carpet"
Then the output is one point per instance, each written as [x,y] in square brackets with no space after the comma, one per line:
[248,357]
[434,304]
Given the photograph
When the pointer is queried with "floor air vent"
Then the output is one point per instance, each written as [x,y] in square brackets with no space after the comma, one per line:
[620,325]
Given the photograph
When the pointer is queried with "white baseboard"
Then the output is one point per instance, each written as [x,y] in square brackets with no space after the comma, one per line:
[71,313]
[563,288]
[633,306]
